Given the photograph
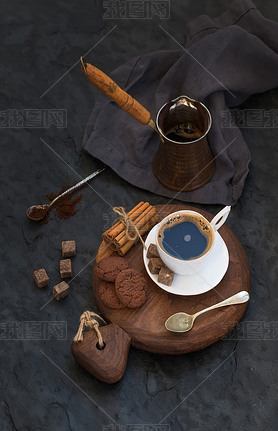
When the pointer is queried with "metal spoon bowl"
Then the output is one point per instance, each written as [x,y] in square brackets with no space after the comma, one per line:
[38,212]
[183,322]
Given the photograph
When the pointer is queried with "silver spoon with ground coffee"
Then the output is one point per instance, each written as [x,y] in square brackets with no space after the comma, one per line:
[183,322]
[38,212]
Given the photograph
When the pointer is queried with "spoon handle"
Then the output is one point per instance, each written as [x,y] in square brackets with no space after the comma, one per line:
[76,186]
[238,298]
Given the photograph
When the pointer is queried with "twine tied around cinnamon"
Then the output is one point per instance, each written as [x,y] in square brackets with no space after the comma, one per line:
[131,231]
[87,319]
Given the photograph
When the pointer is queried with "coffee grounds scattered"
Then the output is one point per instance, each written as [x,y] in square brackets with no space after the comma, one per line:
[64,208]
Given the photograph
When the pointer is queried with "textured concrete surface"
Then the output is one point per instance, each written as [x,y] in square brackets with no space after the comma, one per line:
[231,385]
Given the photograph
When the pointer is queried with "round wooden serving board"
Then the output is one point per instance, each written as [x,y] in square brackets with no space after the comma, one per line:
[145,325]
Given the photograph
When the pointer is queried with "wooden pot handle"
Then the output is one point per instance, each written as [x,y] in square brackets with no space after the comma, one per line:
[107,86]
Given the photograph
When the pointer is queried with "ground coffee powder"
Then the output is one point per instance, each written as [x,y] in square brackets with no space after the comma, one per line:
[64,208]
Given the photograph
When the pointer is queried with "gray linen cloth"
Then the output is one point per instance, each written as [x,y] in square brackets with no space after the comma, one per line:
[226,60]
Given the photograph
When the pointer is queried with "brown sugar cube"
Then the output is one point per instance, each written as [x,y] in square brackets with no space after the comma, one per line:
[68,248]
[155,264]
[65,268]
[61,290]
[152,251]
[41,278]
[165,276]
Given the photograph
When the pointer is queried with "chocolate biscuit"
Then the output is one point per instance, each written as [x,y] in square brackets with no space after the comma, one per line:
[108,295]
[131,288]
[108,268]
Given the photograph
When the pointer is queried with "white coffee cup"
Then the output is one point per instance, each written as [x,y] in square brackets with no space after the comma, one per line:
[196,264]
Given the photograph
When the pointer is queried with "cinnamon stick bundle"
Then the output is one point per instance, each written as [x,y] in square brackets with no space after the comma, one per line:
[144,229]
[109,235]
[143,216]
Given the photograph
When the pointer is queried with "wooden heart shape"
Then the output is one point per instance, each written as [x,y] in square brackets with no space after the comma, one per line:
[108,364]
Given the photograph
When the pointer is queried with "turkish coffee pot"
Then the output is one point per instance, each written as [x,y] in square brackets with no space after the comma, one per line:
[183,160]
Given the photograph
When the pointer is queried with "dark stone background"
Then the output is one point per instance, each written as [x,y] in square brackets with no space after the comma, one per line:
[231,385]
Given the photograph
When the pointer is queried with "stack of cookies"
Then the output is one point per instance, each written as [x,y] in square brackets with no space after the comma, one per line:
[121,286]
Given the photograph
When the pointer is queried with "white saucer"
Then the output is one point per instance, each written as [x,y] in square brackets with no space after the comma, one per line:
[195,284]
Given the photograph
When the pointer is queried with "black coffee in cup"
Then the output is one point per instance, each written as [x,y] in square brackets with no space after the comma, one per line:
[186,237]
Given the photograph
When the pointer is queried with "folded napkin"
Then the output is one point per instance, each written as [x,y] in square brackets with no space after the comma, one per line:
[226,59]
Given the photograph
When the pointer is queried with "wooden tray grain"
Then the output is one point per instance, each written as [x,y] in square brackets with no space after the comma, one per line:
[145,325]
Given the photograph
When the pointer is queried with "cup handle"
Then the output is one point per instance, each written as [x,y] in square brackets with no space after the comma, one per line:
[220,218]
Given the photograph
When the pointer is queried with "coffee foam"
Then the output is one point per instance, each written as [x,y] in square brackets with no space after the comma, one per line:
[197,219]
